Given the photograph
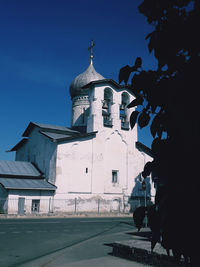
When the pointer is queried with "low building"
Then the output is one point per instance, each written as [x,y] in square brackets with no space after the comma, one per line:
[23,189]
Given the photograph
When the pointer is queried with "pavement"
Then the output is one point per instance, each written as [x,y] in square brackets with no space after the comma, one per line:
[135,252]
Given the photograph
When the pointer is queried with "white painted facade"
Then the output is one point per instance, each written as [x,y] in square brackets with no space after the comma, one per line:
[92,172]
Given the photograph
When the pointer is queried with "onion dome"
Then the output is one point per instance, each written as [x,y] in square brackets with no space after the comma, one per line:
[82,79]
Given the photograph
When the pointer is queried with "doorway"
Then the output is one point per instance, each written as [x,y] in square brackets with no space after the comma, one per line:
[21,202]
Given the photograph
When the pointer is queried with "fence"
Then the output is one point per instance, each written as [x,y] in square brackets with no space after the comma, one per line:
[70,206]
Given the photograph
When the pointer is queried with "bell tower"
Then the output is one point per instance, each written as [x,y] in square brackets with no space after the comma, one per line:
[79,96]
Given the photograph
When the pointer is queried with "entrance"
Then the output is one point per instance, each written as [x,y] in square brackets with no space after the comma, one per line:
[21,202]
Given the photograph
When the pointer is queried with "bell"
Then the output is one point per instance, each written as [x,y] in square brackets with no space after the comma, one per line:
[105,104]
[122,107]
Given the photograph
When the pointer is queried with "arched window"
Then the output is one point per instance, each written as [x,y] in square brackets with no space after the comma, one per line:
[106,107]
[125,99]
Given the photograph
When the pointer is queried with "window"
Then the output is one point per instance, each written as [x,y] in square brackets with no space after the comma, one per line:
[114,177]
[86,170]
[35,205]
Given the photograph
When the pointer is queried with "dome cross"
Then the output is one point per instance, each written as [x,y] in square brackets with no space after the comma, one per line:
[91,51]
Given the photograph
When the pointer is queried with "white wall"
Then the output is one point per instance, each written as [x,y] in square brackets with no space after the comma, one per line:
[45,198]
[72,160]
[41,151]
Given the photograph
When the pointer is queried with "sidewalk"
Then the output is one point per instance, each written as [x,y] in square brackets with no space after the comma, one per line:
[135,252]
[107,261]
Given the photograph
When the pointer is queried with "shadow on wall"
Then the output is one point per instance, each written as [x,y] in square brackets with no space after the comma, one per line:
[140,196]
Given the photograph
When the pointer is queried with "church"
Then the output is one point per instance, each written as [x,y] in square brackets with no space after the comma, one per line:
[94,165]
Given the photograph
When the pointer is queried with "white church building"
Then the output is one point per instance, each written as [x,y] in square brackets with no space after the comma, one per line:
[94,165]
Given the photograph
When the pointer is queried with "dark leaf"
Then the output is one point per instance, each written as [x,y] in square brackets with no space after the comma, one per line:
[147,169]
[138,62]
[153,108]
[159,132]
[133,118]
[124,74]
[154,128]
[155,145]
[150,46]
[135,102]
[143,119]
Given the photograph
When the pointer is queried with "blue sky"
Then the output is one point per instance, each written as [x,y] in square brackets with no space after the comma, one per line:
[44,46]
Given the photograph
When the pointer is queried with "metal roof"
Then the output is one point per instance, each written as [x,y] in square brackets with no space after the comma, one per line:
[28,184]
[103,81]
[109,81]
[143,148]
[18,145]
[55,136]
[65,137]
[82,79]
[18,168]
[60,129]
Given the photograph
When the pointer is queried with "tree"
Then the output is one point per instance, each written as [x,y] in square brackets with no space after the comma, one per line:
[170,95]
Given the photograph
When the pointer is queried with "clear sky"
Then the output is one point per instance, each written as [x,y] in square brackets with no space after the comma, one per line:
[44,46]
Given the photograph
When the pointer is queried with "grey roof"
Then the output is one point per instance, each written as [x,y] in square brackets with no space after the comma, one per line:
[65,137]
[50,127]
[30,184]
[82,79]
[54,132]
[55,136]
[18,145]
[109,81]
[103,81]
[18,168]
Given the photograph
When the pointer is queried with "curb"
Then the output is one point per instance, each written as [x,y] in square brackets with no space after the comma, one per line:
[139,249]
[143,256]
[78,215]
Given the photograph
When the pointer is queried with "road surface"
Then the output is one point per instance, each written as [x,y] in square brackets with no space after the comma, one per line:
[26,240]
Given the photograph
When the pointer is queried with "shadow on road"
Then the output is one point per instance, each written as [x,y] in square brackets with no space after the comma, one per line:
[145,235]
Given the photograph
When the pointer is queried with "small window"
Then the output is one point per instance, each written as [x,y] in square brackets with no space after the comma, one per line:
[86,170]
[114,177]
[35,205]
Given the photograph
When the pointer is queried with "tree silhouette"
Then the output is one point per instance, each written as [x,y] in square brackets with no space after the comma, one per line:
[170,96]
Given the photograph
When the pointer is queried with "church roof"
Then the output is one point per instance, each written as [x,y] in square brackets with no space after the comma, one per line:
[18,145]
[18,168]
[26,184]
[143,148]
[111,81]
[64,137]
[49,127]
[82,79]
[54,132]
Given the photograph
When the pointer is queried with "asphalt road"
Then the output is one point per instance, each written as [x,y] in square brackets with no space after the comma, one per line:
[26,240]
